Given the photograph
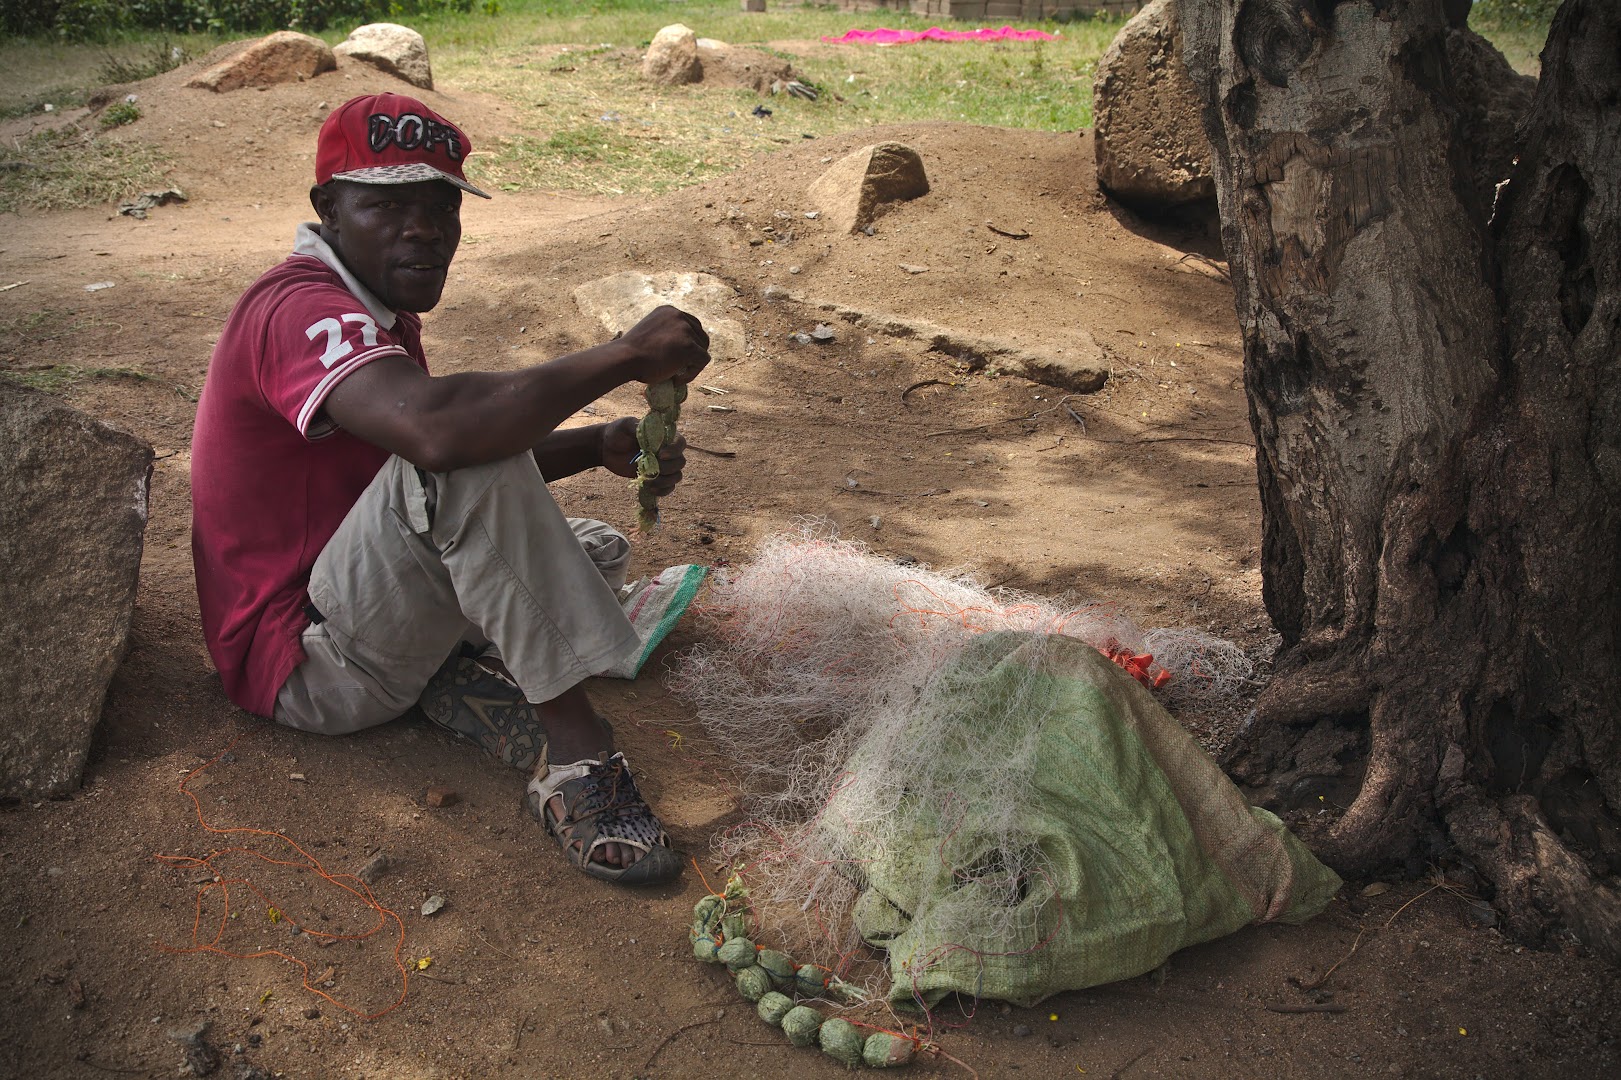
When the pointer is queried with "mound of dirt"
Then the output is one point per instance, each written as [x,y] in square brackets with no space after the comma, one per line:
[1142,495]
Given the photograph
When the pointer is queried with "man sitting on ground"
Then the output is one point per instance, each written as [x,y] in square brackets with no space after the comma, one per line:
[366,535]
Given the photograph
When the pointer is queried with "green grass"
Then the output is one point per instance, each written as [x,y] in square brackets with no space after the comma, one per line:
[590,123]
[64,168]
[59,378]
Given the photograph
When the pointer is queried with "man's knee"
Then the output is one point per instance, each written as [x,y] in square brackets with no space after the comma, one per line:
[607,548]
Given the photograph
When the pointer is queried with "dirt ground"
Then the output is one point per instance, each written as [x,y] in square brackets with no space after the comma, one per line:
[1142,493]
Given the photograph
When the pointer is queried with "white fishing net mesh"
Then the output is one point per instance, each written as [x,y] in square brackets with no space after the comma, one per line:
[821,678]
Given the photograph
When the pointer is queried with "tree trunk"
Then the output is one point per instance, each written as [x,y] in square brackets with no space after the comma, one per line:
[1436,397]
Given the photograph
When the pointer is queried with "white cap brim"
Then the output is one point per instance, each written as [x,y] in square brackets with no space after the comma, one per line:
[414,173]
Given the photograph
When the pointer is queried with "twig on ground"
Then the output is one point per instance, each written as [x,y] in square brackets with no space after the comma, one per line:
[896,494]
[1211,264]
[712,453]
[668,1039]
[1325,1007]
[1121,1071]
[1011,234]
[956,1061]
[494,948]
[1318,983]
[925,382]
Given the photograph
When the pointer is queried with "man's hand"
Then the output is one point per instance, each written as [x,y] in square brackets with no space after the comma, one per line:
[619,450]
[670,344]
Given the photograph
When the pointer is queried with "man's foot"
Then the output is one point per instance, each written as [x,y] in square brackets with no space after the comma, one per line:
[601,821]
[585,796]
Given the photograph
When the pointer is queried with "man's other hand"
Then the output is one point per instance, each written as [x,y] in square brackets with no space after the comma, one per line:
[669,344]
[619,450]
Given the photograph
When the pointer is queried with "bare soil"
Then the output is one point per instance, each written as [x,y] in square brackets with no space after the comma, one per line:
[1142,493]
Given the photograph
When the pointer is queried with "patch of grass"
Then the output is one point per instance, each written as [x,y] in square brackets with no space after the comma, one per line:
[161,56]
[41,71]
[1518,29]
[40,327]
[68,168]
[59,378]
[595,157]
[118,114]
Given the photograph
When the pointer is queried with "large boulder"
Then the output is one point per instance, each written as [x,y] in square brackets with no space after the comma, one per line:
[672,57]
[285,56]
[398,50]
[74,493]
[1151,148]
[859,186]
[620,300]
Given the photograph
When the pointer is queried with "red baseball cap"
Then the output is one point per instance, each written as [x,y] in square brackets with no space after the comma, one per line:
[391,139]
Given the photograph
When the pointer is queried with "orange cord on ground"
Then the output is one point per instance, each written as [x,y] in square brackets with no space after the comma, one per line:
[358,889]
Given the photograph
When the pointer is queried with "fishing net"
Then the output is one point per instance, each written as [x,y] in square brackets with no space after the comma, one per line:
[978,782]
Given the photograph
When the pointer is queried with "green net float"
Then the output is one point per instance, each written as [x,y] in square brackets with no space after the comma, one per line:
[706,914]
[753,983]
[841,1041]
[884,1050]
[773,1006]
[800,1024]
[652,433]
[811,980]
[705,948]
[738,953]
[780,965]
[735,925]
[661,395]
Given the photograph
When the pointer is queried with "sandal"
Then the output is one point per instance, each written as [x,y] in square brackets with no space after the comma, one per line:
[602,806]
[466,697]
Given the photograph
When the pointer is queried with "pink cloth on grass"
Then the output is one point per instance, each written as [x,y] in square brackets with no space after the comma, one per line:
[883,36]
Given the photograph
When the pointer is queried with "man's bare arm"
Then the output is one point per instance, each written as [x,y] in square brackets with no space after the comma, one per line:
[440,423]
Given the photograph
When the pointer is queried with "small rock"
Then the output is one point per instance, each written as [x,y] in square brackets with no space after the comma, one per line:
[99,285]
[217,123]
[775,292]
[813,214]
[312,1013]
[793,269]
[296,777]
[1021,1030]
[823,333]
[433,904]
[799,337]
[374,869]
[201,1057]
[48,107]
[440,795]
[1375,888]
[910,269]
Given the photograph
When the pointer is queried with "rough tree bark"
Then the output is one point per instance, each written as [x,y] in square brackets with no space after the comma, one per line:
[1435,392]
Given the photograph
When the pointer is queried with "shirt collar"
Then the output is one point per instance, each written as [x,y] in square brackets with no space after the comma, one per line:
[308,241]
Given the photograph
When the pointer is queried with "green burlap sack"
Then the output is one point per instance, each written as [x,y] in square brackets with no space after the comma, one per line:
[1141,845]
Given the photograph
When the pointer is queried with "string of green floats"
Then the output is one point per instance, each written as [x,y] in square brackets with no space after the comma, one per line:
[655,431]
[771,980]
